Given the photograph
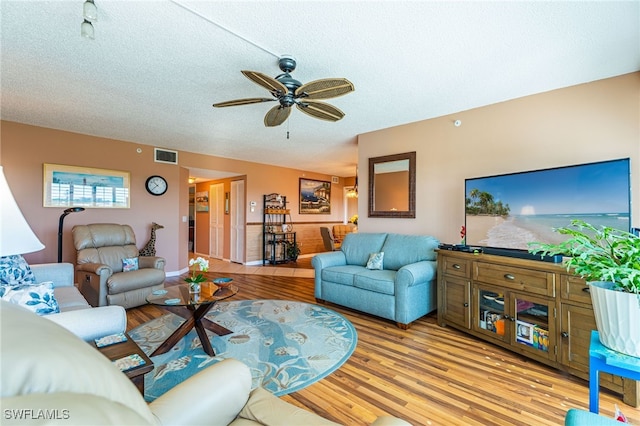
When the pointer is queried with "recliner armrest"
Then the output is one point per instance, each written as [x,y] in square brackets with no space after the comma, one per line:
[151,262]
[95,268]
[221,390]
[61,274]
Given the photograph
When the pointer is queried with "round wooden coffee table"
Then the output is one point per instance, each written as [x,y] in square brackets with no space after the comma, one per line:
[192,307]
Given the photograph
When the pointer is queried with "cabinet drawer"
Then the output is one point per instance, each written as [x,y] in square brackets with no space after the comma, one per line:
[532,281]
[575,289]
[456,266]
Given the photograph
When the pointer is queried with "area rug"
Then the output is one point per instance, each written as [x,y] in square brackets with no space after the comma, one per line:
[287,345]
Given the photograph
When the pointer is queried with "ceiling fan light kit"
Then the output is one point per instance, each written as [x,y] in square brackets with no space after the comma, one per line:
[288,92]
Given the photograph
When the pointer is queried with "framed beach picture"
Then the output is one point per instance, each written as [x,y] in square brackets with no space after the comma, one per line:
[202,201]
[315,196]
[74,186]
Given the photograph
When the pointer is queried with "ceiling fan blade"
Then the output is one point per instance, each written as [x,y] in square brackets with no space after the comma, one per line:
[276,88]
[247,101]
[325,88]
[276,116]
[320,110]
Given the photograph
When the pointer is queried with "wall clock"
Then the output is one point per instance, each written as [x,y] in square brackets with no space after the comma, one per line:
[156,185]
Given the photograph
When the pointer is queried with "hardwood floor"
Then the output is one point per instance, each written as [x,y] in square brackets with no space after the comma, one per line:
[427,375]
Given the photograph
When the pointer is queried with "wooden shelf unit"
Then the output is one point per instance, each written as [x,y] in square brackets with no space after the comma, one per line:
[277,234]
[465,280]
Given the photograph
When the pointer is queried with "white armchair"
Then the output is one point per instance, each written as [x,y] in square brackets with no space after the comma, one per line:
[52,370]
[76,314]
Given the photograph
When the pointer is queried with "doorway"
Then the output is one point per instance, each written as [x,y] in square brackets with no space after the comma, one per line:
[237,240]
[216,221]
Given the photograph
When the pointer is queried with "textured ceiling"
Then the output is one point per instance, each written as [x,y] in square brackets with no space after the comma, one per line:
[156,67]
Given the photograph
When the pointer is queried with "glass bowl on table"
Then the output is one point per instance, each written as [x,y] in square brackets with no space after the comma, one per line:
[223,282]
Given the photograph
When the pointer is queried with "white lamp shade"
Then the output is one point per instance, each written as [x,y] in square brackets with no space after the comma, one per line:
[16,236]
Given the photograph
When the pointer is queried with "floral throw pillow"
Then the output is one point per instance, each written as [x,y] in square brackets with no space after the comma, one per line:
[37,298]
[15,270]
[130,264]
[375,260]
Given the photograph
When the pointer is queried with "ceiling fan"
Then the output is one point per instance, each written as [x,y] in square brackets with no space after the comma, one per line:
[289,91]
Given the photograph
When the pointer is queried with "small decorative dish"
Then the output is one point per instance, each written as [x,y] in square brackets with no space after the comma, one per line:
[222,282]
[172,301]
[159,292]
[490,296]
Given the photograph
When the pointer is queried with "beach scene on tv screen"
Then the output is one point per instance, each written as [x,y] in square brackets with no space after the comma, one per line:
[509,211]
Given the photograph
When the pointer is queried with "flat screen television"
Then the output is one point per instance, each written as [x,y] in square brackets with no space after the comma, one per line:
[504,213]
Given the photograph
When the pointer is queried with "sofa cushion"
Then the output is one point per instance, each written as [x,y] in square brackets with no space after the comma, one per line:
[357,247]
[377,281]
[341,274]
[69,298]
[14,269]
[401,250]
[130,264]
[262,408]
[37,298]
[375,260]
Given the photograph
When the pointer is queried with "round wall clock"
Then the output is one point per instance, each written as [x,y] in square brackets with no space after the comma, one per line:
[156,185]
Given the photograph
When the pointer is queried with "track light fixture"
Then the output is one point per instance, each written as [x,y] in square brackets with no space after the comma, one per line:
[90,11]
[87,31]
[90,14]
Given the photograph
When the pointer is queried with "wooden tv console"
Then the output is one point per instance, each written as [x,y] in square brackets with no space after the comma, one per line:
[534,308]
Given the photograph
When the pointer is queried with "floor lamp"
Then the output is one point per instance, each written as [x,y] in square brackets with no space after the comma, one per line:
[60,222]
[16,236]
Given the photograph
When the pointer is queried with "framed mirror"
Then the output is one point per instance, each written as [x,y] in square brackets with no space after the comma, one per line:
[392,186]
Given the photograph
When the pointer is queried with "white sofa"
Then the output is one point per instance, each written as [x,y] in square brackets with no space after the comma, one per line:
[76,314]
[56,378]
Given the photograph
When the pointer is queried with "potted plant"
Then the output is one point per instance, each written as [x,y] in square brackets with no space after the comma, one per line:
[194,280]
[609,260]
[292,250]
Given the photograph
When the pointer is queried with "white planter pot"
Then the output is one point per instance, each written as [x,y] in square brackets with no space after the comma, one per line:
[617,318]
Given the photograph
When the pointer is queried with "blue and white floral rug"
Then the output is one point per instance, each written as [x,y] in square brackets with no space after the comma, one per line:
[287,345]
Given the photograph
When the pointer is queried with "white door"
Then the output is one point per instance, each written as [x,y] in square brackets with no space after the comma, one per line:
[216,221]
[237,221]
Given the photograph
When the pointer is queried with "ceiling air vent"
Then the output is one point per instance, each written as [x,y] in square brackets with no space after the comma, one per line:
[165,156]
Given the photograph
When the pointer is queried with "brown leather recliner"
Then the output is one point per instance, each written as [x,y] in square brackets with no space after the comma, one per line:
[101,249]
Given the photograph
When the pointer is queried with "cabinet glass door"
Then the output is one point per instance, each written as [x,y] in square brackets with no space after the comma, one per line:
[490,312]
[533,326]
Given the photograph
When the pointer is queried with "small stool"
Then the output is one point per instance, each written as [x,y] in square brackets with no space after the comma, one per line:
[606,360]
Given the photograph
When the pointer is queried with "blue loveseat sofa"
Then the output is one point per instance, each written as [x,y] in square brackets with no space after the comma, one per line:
[402,291]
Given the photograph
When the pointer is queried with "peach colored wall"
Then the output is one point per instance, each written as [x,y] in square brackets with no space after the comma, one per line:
[579,124]
[25,148]
[584,123]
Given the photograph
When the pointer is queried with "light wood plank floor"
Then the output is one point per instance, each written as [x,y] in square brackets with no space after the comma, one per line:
[427,375]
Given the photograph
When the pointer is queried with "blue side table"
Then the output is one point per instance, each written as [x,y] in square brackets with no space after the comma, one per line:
[604,359]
